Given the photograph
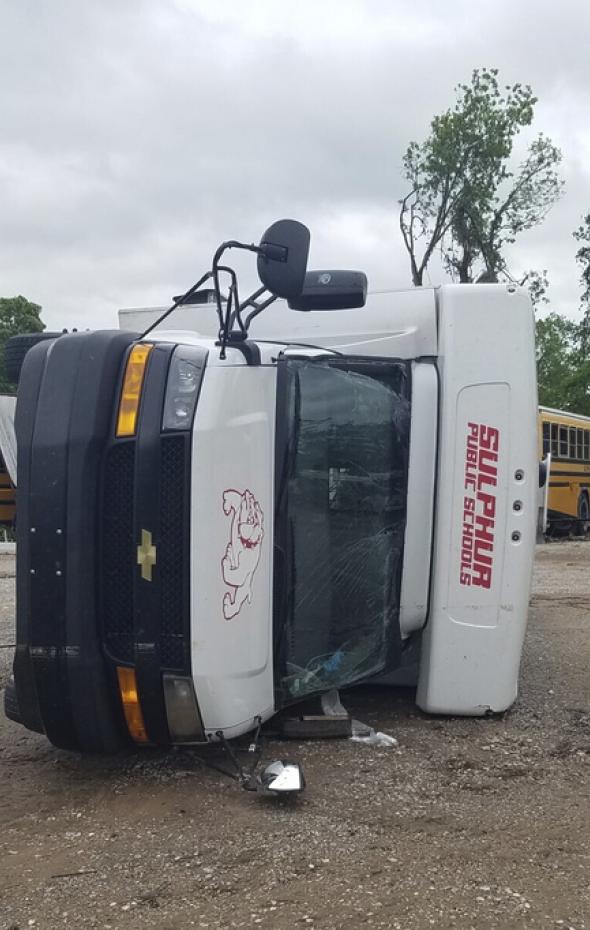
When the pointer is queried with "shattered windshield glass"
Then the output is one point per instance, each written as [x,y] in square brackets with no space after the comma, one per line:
[341,521]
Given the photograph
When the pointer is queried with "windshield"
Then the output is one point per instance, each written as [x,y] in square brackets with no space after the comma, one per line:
[341,511]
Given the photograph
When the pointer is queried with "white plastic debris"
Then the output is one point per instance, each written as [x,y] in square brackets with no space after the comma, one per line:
[361,733]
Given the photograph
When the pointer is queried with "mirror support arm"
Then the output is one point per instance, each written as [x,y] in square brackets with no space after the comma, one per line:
[230,315]
[179,302]
[258,308]
[233,300]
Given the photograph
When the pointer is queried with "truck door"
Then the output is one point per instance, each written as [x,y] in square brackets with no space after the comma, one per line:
[343,430]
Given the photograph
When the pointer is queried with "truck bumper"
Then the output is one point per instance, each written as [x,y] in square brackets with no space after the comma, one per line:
[63,418]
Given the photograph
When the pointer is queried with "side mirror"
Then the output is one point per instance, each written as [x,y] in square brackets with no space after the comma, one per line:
[331,290]
[281,778]
[282,259]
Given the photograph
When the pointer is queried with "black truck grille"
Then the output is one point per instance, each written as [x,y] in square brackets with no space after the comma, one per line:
[119,561]
[173,551]
[118,552]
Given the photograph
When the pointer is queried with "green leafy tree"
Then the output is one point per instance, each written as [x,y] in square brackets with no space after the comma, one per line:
[582,235]
[556,342]
[579,384]
[563,365]
[17,315]
[563,346]
[464,196]
[538,285]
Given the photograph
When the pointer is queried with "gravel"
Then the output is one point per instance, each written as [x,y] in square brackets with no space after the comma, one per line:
[469,823]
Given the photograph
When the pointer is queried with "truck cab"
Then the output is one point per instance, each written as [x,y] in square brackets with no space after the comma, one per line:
[211,529]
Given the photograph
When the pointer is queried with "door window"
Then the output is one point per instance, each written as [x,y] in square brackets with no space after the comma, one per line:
[341,521]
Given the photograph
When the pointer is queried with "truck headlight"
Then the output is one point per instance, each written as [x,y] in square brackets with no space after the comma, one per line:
[182,389]
[182,712]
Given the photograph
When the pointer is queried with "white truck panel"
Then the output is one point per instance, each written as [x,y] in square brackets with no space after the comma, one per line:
[486,501]
[195,318]
[393,324]
[232,538]
[420,513]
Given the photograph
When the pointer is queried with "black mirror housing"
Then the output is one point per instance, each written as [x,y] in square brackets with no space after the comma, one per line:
[282,259]
[331,290]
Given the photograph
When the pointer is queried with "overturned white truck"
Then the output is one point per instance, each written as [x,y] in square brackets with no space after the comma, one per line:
[215,524]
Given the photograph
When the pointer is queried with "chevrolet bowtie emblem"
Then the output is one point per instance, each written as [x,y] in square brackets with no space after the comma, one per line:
[146,555]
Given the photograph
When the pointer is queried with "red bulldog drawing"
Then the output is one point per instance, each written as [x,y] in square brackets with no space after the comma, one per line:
[242,554]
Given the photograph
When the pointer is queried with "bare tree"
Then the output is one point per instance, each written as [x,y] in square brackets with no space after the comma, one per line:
[464,199]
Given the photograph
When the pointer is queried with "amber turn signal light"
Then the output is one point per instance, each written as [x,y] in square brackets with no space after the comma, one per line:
[132,386]
[131,705]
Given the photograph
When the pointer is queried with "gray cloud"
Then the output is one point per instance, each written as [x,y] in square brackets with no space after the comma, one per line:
[138,135]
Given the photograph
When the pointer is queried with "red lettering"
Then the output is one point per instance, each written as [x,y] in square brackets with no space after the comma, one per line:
[489,503]
[479,507]
[483,478]
[482,576]
[479,551]
[489,437]
[483,525]
[486,462]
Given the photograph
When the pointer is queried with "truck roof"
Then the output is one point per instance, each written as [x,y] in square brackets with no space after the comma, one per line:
[407,316]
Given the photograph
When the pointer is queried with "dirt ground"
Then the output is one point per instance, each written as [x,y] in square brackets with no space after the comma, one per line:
[468,824]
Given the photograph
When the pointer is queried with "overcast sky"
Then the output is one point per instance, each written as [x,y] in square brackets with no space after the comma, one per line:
[137,134]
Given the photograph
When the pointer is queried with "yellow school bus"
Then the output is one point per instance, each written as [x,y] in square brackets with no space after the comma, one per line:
[7,496]
[566,437]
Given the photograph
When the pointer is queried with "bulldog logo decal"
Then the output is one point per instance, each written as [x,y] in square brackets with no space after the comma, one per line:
[242,554]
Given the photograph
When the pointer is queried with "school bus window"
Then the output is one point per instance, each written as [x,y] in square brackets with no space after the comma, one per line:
[572,432]
[563,441]
[546,441]
[579,444]
[554,443]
